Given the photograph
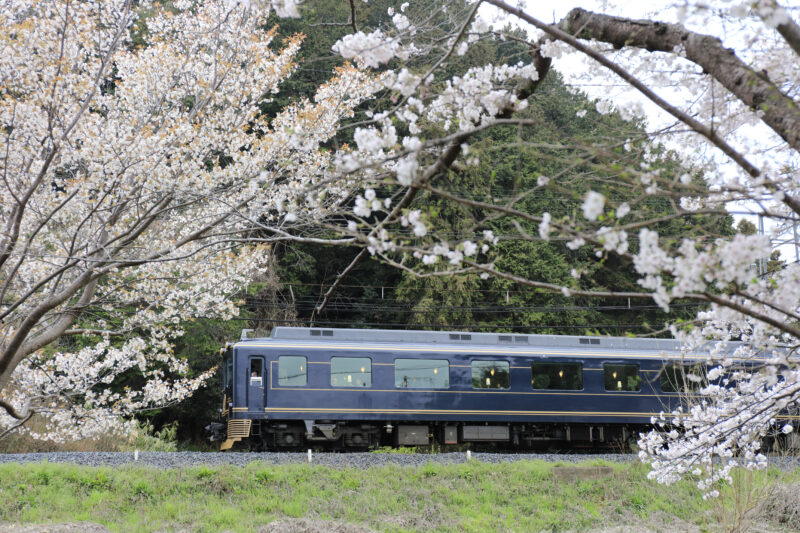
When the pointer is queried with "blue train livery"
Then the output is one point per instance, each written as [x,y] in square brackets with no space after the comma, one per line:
[358,389]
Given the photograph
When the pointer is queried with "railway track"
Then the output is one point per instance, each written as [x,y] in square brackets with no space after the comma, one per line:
[336,460]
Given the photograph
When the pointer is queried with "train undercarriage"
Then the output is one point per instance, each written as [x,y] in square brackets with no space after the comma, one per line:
[330,435]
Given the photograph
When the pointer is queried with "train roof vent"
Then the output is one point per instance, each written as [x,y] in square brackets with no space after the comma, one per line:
[590,341]
[321,332]
[521,339]
[460,337]
[504,338]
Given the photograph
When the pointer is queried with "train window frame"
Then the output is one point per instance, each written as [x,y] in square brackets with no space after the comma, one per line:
[496,368]
[619,367]
[303,368]
[365,371]
[403,382]
[557,364]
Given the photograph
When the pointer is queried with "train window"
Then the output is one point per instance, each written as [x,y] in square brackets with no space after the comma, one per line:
[255,368]
[422,373]
[255,372]
[292,370]
[622,377]
[557,376]
[490,375]
[682,378]
[227,373]
[351,372]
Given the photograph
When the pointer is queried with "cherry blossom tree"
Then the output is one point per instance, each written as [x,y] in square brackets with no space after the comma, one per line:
[719,77]
[135,158]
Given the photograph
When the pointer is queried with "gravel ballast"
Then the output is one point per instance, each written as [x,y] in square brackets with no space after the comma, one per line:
[337,460]
[360,460]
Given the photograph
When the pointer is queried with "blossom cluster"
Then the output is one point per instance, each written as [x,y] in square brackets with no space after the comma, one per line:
[133,174]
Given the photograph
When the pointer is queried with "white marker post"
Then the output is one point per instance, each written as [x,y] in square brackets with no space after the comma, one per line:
[309,455]
[469,455]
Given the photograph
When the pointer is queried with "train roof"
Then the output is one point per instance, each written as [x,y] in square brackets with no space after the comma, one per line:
[469,338]
[458,341]
[506,342]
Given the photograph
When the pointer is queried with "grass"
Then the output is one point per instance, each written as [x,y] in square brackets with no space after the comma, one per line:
[521,496]
[401,450]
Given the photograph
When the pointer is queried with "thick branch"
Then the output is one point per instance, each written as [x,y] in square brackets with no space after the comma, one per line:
[97,332]
[753,88]
[783,326]
[788,312]
[14,352]
[19,415]
[120,241]
[16,426]
[562,35]
[20,345]
[60,326]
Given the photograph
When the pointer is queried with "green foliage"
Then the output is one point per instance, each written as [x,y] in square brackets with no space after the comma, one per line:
[141,490]
[205,472]
[147,439]
[264,476]
[401,450]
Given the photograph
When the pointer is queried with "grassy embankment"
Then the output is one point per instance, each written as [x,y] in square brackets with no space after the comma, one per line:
[521,496]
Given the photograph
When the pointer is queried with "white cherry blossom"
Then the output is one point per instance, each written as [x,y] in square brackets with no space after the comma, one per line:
[120,221]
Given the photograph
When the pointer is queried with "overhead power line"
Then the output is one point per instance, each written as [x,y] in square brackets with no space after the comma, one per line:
[412,308]
[492,328]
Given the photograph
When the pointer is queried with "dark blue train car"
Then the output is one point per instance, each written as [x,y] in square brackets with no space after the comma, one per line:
[351,389]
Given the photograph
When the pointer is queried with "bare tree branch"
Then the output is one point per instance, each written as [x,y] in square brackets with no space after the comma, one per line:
[16,426]
[97,332]
[19,415]
[353,16]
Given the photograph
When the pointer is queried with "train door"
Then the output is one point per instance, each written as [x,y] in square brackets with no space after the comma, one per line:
[256,385]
